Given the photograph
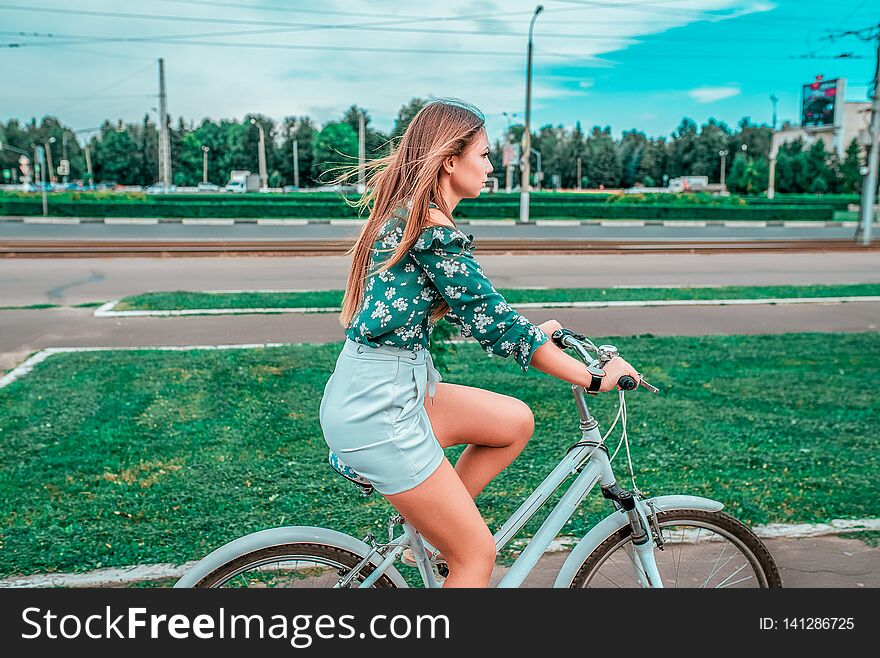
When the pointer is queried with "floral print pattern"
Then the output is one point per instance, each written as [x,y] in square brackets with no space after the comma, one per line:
[439,267]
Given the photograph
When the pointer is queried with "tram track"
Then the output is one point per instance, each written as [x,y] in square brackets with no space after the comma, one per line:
[17,248]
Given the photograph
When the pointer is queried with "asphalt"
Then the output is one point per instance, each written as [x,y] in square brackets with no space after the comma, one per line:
[229,230]
[25,331]
[79,280]
[807,562]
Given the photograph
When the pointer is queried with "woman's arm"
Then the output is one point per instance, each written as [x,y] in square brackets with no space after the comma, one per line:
[553,360]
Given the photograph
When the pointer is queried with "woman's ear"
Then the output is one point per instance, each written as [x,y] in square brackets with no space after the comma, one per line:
[449,164]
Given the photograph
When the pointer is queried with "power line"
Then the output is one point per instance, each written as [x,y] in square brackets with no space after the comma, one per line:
[581,36]
[103,89]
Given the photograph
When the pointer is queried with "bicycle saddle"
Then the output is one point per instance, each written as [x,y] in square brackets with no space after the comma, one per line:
[350,474]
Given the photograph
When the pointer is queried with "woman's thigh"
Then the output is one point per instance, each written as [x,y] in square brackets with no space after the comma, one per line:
[466,414]
[455,526]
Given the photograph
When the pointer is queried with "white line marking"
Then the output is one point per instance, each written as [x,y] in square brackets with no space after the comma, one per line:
[621,222]
[50,220]
[26,367]
[746,222]
[130,220]
[208,222]
[282,222]
[684,222]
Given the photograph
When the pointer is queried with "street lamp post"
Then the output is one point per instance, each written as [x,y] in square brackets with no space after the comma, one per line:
[52,177]
[264,177]
[527,137]
[723,155]
[205,150]
[295,147]
[539,175]
[40,160]
[508,174]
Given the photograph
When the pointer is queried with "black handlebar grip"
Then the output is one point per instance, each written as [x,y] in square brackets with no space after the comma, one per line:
[557,338]
[627,383]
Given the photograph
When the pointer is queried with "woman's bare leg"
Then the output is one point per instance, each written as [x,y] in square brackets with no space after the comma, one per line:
[454,526]
[496,426]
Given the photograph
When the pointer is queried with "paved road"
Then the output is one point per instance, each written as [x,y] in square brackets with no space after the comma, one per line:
[78,280]
[809,562]
[251,231]
[26,331]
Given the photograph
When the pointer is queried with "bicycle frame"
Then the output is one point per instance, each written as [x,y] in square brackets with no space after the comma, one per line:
[597,469]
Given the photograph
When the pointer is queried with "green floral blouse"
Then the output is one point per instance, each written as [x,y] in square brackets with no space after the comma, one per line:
[439,267]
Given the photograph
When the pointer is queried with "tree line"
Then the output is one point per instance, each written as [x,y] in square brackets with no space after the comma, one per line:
[128,153]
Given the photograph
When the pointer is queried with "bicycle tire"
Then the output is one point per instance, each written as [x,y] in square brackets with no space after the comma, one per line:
[334,558]
[751,547]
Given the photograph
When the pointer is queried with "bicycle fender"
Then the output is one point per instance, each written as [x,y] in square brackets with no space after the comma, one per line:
[282,535]
[617,520]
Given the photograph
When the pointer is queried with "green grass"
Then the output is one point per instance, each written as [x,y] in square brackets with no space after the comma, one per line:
[179,300]
[28,307]
[118,458]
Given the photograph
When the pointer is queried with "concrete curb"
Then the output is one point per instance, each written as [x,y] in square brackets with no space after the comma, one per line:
[106,310]
[218,221]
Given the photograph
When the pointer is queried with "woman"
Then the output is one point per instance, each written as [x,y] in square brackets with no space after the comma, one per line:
[411,266]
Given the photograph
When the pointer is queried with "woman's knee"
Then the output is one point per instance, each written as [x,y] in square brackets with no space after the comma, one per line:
[524,422]
[476,552]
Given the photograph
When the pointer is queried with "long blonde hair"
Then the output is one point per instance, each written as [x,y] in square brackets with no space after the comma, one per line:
[409,176]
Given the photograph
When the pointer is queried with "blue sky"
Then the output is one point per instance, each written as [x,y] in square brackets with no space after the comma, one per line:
[625,63]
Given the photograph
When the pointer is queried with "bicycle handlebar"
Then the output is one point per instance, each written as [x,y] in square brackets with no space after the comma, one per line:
[566,338]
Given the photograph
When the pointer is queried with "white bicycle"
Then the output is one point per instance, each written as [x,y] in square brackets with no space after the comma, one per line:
[664,541]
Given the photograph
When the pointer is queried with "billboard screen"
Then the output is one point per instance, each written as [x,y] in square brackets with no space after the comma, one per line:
[817,103]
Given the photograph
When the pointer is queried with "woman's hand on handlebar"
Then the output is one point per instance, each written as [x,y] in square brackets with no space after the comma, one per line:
[550,326]
[614,370]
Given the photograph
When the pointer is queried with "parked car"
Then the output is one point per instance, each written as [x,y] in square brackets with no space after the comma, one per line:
[158,188]
[207,187]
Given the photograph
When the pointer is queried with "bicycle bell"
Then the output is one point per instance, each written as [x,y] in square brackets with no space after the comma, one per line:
[606,353]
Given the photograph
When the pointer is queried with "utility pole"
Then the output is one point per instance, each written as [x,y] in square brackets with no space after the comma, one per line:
[52,177]
[869,183]
[775,100]
[362,153]
[295,164]
[64,161]
[579,173]
[164,141]
[40,161]
[264,175]
[89,166]
[723,155]
[205,150]
[527,136]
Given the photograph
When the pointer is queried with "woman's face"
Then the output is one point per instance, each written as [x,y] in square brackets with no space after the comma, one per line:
[471,168]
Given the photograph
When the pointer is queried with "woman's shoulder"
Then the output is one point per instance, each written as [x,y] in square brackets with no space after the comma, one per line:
[435,236]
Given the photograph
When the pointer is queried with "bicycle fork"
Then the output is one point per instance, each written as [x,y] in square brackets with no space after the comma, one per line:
[641,550]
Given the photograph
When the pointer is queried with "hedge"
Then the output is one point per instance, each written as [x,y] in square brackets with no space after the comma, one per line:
[339,210]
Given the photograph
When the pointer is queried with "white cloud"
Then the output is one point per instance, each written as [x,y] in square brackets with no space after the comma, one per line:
[712,94]
[227,82]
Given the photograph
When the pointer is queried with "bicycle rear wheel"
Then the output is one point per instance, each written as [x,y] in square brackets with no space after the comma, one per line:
[702,549]
[291,565]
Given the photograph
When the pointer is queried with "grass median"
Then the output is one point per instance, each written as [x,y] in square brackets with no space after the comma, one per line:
[186,300]
[119,458]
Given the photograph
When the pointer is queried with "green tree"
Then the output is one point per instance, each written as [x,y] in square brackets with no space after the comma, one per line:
[850,169]
[113,154]
[604,166]
[406,114]
[336,145]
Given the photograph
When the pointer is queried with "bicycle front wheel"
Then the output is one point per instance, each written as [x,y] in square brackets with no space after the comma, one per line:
[292,565]
[701,550]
